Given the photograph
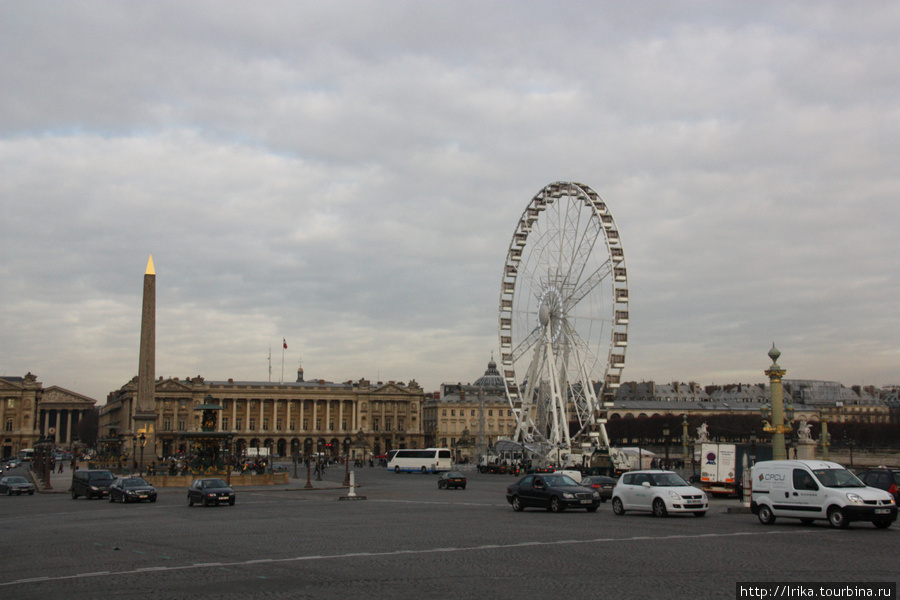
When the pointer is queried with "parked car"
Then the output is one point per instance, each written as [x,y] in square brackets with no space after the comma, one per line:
[659,492]
[451,479]
[131,489]
[817,489]
[602,484]
[883,479]
[91,483]
[15,484]
[210,491]
[553,492]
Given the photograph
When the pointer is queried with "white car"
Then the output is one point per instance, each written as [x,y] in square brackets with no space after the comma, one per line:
[659,492]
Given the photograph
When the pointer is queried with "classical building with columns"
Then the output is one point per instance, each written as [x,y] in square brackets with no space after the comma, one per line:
[280,417]
[29,412]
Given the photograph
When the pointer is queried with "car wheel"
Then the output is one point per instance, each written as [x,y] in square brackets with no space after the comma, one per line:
[440,484]
[190,500]
[765,514]
[396,469]
[882,523]
[517,504]
[9,492]
[31,492]
[424,470]
[153,499]
[111,499]
[123,499]
[700,513]
[659,508]
[837,519]
[618,507]
[556,505]
[463,487]
[74,495]
[205,501]
[592,508]
[231,502]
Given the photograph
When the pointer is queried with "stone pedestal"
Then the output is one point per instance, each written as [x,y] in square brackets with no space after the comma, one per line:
[806,449]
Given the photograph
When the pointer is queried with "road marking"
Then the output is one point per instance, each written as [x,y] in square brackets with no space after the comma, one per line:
[350,555]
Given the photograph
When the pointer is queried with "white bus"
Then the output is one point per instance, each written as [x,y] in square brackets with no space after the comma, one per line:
[430,460]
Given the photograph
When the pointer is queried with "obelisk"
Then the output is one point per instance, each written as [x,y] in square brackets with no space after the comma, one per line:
[144,417]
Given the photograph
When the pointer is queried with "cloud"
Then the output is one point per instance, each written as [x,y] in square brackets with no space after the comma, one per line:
[349,176]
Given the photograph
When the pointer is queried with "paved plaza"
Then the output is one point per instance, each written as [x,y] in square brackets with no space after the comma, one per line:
[407,540]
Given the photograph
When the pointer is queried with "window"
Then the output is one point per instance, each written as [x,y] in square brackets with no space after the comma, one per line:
[444,412]
[182,426]
[238,423]
[224,423]
[167,424]
[318,423]
[491,412]
[331,425]
[278,424]
[265,423]
[453,412]
[344,425]
[9,425]
[293,425]
[10,403]
[387,424]
[252,423]
[375,424]
[473,412]
[305,424]
[400,424]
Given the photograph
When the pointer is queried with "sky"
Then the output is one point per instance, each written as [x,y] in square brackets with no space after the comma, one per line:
[347,176]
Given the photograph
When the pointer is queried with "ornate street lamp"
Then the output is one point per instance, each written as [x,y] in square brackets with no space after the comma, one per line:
[777,426]
[308,445]
[665,432]
[347,461]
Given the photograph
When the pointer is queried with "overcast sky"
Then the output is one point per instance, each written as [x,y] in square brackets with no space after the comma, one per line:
[348,176]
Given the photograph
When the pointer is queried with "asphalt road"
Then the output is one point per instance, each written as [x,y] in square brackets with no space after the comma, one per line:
[409,540]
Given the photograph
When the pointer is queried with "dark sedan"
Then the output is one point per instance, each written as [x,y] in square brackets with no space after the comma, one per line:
[16,485]
[883,479]
[602,484]
[451,479]
[210,491]
[131,489]
[553,492]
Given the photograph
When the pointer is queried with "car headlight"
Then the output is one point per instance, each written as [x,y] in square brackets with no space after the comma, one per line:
[855,498]
[674,495]
[568,495]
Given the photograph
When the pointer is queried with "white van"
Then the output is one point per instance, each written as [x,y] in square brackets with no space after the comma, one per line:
[816,489]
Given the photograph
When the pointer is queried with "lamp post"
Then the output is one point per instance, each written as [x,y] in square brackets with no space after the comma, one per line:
[134,452]
[666,439]
[347,461]
[752,447]
[684,439]
[308,444]
[143,440]
[320,448]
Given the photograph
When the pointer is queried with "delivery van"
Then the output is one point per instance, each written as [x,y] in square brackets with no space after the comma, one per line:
[816,489]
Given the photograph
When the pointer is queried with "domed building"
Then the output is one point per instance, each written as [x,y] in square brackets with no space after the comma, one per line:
[468,418]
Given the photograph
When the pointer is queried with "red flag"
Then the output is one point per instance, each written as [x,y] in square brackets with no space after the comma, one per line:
[285,343]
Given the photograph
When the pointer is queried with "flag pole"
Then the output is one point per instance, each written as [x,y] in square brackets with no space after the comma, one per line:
[270,363]
[283,348]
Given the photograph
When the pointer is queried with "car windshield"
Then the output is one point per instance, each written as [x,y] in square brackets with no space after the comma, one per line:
[134,482]
[214,483]
[667,480]
[101,477]
[838,478]
[453,475]
[558,480]
[15,480]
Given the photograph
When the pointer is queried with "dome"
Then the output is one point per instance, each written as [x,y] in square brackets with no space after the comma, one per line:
[491,377]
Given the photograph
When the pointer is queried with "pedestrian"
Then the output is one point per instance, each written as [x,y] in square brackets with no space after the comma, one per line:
[62,464]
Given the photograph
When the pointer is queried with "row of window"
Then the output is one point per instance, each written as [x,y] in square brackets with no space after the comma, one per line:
[462,412]
[279,424]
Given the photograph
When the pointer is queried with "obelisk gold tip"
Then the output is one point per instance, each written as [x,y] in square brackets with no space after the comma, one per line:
[150,269]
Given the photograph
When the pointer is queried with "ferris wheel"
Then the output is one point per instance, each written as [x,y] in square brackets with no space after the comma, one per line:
[563,317]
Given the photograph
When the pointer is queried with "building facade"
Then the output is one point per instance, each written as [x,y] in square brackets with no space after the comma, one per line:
[29,413]
[469,418]
[284,418]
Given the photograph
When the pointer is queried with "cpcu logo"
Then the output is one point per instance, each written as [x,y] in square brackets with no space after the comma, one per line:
[711,458]
[771,477]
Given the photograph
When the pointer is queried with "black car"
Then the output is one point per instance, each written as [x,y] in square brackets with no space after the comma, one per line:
[883,479]
[17,485]
[91,483]
[555,492]
[602,484]
[451,479]
[131,489]
[210,491]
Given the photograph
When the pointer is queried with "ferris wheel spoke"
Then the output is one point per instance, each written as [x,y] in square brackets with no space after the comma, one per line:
[529,342]
[590,283]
